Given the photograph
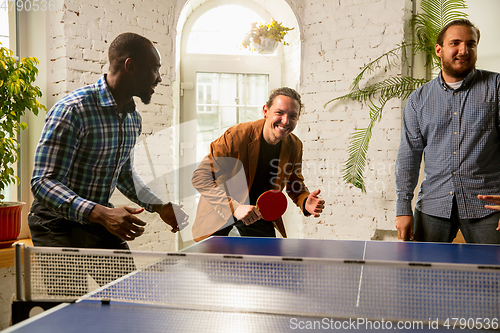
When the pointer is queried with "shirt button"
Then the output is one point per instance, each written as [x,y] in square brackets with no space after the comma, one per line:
[455,133]
[451,192]
[454,173]
[454,113]
[454,153]
[455,93]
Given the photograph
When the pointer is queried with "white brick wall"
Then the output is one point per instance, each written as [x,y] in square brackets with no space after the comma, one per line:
[340,37]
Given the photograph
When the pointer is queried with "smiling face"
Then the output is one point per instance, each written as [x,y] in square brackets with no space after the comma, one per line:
[148,74]
[281,118]
[458,53]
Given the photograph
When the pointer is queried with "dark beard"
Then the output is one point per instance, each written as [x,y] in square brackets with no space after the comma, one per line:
[458,73]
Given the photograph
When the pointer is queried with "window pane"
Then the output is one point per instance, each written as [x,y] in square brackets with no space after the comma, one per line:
[229,85]
[251,113]
[4,22]
[224,100]
[4,27]
[209,132]
[221,30]
[4,39]
[255,90]
[7,193]
[229,117]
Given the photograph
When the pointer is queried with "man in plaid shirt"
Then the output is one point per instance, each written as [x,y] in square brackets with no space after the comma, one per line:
[454,122]
[86,151]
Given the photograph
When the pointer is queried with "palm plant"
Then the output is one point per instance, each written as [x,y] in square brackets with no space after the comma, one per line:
[435,14]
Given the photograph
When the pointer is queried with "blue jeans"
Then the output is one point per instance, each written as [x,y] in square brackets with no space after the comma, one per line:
[429,228]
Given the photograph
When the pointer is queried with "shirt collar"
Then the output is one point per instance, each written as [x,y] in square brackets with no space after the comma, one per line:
[106,99]
[465,82]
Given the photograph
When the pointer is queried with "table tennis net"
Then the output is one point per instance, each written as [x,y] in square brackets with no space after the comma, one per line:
[261,284]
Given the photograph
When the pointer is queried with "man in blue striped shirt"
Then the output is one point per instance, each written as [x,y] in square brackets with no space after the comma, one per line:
[86,151]
[454,121]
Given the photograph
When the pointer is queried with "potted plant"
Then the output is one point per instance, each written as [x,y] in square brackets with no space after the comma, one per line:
[427,25]
[264,38]
[17,95]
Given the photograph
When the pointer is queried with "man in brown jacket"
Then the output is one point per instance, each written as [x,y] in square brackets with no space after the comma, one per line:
[247,160]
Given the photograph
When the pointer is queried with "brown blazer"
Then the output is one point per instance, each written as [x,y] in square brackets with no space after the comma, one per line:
[226,174]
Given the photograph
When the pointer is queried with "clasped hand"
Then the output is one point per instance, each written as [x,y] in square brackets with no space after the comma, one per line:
[173,215]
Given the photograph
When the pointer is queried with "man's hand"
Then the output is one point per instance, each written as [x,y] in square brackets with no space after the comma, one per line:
[248,214]
[404,224]
[314,204]
[495,199]
[173,215]
[121,221]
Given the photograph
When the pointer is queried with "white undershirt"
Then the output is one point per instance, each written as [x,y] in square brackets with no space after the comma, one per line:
[454,85]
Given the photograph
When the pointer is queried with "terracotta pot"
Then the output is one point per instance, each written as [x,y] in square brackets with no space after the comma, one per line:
[10,220]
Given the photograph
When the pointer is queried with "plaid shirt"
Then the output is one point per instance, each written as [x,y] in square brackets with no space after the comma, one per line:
[459,133]
[85,152]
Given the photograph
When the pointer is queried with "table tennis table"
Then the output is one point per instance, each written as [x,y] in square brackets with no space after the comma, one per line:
[252,266]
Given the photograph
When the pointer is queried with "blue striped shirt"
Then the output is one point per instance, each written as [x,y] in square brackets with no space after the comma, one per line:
[458,133]
[85,152]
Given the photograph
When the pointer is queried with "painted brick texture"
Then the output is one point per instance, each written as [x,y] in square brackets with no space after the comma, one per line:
[340,37]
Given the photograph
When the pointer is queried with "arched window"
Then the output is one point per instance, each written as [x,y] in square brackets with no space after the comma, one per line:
[220,30]
[222,82]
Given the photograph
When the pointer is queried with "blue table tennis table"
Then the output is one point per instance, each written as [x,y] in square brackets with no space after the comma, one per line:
[477,254]
[97,316]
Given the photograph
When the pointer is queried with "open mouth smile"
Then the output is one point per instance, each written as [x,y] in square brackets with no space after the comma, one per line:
[282,128]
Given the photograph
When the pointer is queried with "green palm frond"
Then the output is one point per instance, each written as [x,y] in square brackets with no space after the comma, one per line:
[391,58]
[393,87]
[354,166]
[398,87]
[435,14]
[440,12]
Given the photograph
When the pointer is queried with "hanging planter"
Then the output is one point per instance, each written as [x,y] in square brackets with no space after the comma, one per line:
[265,37]
[10,222]
[266,46]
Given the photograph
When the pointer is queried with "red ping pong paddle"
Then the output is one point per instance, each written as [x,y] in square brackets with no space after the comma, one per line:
[272,204]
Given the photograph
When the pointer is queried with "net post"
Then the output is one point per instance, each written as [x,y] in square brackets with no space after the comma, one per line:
[27,273]
[19,272]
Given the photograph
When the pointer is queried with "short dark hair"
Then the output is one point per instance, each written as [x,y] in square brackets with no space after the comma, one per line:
[126,45]
[284,91]
[460,22]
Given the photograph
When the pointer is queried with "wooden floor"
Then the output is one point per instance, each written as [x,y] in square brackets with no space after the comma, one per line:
[7,255]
